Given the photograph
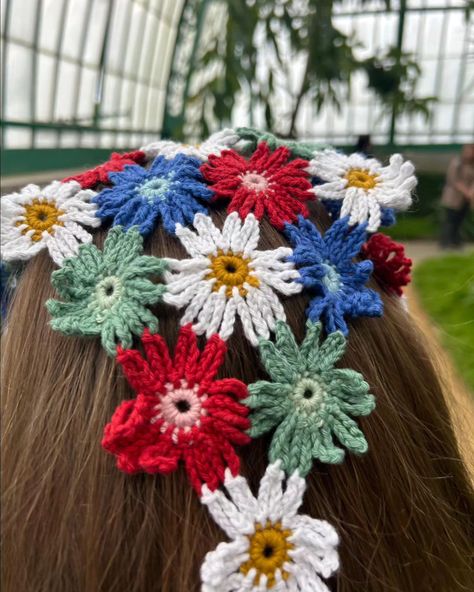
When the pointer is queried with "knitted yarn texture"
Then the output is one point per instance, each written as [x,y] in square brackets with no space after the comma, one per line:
[250,137]
[169,189]
[391,267]
[51,218]
[265,184]
[327,270]
[181,413]
[219,141]
[100,174]
[363,185]
[272,547]
[106,292]
[227,277]
[308,400]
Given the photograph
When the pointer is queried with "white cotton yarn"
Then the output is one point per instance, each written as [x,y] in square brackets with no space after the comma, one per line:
[311,544]
[212,305]
[51,217]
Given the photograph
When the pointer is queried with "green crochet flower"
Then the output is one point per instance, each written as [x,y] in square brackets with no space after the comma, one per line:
[309,400]
[107,291]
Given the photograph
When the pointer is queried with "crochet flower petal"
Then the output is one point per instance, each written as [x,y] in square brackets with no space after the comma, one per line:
[110,286]
[328,272]
[170,191]
[227,277]
[222,564]
[363,186]
[51,218]
[270,543]
[277,365]
[391,266]
[217,142]
[293,445]
[269,403]
[70,316]
[349,434]
[324,448]
[307,400]
[184,414]
[266,184]
[99,174]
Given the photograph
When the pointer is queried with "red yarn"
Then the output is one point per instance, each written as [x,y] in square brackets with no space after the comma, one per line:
[99,175]
[391,267]
[181,411]
[266,183]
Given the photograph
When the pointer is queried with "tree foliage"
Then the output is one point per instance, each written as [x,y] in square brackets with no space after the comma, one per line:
[263,45]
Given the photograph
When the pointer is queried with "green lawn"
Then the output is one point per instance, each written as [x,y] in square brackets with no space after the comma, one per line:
[446,290]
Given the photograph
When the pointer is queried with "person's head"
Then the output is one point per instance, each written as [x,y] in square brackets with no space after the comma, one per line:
[73,522]
[467,154]
[364,144]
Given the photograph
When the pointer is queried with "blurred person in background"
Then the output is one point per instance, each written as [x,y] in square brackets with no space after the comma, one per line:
[364,145]
[458,197]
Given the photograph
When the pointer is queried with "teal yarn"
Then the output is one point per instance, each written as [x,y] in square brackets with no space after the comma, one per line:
[298,149]
[106,292]
[308,401]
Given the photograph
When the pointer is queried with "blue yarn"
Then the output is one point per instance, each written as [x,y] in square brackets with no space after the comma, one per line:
[334,208]
[327,271]
[169,189]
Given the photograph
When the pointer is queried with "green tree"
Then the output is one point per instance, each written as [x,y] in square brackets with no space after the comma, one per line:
[255,54]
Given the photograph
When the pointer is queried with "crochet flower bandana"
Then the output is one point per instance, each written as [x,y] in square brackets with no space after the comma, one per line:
[221,204]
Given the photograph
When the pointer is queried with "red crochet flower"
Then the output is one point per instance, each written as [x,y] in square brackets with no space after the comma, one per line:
[267,183]
[100,174]
[391,267]
[181,411]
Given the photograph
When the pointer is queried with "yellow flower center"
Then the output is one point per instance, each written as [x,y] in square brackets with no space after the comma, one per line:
[268,552]
[361,178]
[40,216]
[231,270]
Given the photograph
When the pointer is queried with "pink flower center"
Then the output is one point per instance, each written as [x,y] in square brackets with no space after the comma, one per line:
[180,407]
[254,182]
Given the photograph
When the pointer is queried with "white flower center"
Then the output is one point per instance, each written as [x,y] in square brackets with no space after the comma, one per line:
[254,182]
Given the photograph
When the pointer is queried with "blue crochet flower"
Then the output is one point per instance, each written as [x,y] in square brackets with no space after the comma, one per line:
[327,271]
[170,188]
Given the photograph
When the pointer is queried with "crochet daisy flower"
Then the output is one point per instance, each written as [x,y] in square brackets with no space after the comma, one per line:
[100,174]
[327,270]
[228,277]
[219,141]
[106,292]
[181,411]
[272,547]
[363,185]
[391,266]
[50,218]
[265,184]
[169,189]
[309,400]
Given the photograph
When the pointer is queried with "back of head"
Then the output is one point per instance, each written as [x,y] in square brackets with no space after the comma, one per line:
[73,522]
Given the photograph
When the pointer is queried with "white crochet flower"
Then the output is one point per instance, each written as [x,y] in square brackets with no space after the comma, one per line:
[272,547]
[37,218]
[222,140]
[363,184]
[228,277]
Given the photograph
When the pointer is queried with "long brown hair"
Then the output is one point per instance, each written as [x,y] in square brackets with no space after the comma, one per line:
[73,522]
